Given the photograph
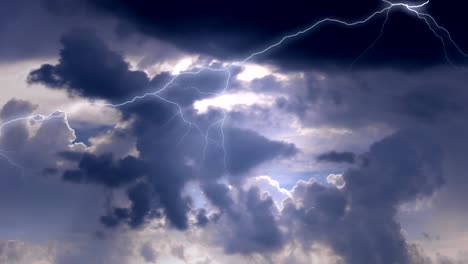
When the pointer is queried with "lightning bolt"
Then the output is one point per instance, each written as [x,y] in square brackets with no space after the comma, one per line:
[440,32]
[13,163]
[375,41]
[38,118]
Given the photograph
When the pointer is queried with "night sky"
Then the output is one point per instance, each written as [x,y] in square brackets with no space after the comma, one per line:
[214,132]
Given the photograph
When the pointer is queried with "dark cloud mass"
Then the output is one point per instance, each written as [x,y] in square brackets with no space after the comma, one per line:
[102,170]
[163,166]
[245,27]
[334,156]
[361,216]
[250,225]
[391,97]
[88,68]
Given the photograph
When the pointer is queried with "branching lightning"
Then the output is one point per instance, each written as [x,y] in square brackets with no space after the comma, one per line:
[388,7]
[38,118]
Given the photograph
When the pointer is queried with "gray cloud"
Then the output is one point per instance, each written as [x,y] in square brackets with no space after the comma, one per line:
[16,108]
[366,98]
[249,226]
[334,156]
[88,68]
[155,131]
[361,216]
[148,253]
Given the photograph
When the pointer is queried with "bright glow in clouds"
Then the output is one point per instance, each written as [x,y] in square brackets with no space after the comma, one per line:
[266,184]
[336,180]
[174,66]
[255,71]
[182,65]
[229,101]
[82,111]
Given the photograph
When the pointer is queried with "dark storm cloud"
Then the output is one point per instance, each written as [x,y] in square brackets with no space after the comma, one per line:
[168,170]
[23,35]
[156,131]
[218,194]
[239,29]
[202,218]
[417,171]
[244,27]
[104,170]
[23,23]
[249,225]
[401,168]
[164,175]
[245,149]
[362,98]
[88,68]
[139,196]
[425,105]
[333,156]
[169,173]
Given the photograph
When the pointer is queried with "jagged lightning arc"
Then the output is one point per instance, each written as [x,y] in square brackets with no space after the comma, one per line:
[38,118]
[430,21]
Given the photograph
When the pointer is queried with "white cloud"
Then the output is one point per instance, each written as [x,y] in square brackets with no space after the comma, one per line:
[336,180]
[230,101]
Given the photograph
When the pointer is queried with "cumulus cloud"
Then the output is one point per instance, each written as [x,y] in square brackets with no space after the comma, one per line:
[361,215]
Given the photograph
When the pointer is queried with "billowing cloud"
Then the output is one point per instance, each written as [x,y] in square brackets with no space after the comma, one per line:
[88,68]
[361,215]
[16,108]
[102,170]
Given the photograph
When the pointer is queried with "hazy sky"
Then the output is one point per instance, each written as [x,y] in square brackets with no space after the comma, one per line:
[233,132]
